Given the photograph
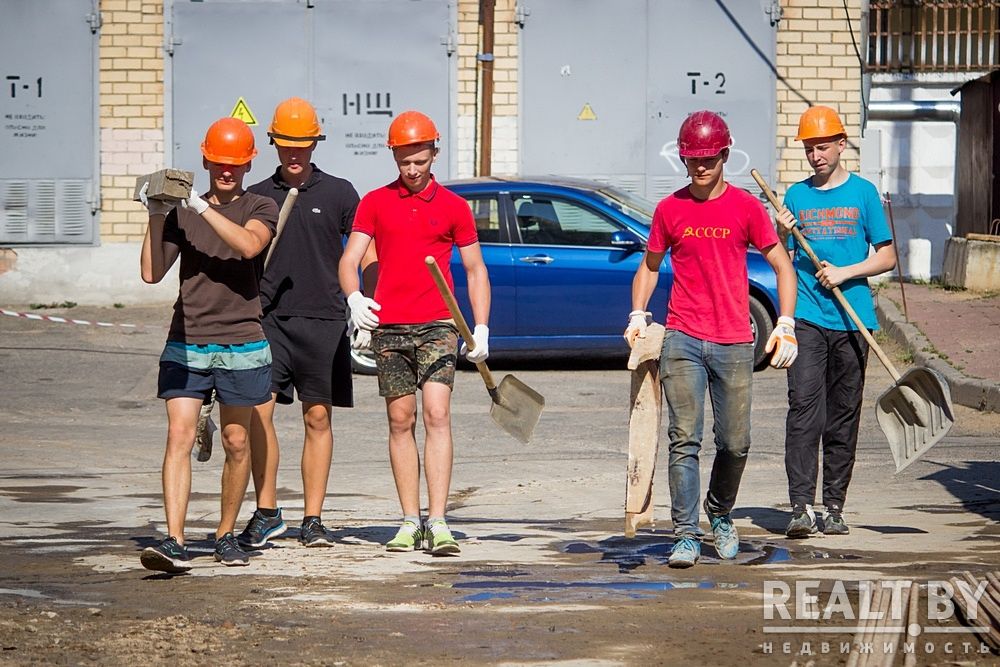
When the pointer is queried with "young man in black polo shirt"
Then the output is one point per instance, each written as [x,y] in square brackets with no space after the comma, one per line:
[305,322]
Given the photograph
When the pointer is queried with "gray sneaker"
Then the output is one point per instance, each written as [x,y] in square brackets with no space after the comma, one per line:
[260,529]
[803,523]
[228,551]
[833,522]
[167,556]
[314,534]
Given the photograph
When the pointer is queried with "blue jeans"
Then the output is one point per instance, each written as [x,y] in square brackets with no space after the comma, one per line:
[689,366]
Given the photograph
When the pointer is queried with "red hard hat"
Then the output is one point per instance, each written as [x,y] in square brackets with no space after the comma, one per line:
[703,134]
[411,127]
[229,141]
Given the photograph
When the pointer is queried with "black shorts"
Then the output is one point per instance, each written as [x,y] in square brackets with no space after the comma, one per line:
[311,355]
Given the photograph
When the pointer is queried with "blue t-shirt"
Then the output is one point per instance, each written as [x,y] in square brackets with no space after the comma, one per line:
[841,224]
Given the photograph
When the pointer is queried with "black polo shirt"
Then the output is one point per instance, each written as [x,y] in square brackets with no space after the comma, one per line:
[301,278]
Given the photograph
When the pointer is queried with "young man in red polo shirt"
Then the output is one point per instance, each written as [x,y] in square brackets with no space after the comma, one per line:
[414,339]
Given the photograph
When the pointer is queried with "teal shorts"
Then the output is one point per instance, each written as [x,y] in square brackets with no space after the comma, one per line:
[240,374]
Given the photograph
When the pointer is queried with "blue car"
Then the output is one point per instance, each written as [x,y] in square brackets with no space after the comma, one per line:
[561,255]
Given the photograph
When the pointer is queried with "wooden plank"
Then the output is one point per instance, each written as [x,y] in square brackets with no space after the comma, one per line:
[645,403]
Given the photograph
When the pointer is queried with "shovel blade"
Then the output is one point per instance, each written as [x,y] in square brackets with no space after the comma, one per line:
[516,408]
[915,414]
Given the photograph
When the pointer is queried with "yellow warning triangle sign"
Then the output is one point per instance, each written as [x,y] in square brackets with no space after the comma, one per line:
[587,113]
[242,111]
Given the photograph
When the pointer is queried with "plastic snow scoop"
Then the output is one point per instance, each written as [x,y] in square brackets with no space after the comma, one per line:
[916,412]
[516,406]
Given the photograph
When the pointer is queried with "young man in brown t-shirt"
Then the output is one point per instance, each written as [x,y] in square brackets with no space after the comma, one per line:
[215,339]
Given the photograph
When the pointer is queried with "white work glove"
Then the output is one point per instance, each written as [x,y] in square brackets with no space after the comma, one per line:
[361,339]
[783,342]
[195,203]
[154,206]
[363,311]
[481,340]
[636,328]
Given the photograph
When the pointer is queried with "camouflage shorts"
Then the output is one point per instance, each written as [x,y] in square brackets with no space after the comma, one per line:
[408,355]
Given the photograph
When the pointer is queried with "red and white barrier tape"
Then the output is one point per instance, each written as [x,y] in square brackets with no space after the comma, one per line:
[69,320]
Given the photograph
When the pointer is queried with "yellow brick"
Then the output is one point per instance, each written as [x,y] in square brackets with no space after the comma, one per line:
[819,13]
[142,100]
[126,63]
[802,25]
[817,61]
[132,229]
[128,40]
[113,28]
[125,111]
[141,76]
[125,17]
[112,76]
[146,52]
[112,123]
[127,88]
[802,72]
[143,123]
[505,87]
[112,52]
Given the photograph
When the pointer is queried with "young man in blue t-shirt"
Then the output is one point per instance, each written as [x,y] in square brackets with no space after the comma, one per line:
[841,215]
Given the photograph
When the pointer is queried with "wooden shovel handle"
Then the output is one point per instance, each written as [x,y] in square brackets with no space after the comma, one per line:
[456,313]
[286,208]
[801,240]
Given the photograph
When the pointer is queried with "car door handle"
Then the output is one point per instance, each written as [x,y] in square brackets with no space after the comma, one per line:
[536,259]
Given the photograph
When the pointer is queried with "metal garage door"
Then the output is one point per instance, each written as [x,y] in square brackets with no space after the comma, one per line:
[344,56]
[604,92]
[48,136]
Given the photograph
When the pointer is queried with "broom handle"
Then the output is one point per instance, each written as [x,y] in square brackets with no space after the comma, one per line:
[836,290]
[456,313]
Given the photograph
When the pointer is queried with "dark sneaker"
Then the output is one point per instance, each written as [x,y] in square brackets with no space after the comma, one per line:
[727,540]
[685,553]
[408,538]
[833,522]
[803,523]
[440,541]
[261,528]
[228,551]
[167,556]
[314,534]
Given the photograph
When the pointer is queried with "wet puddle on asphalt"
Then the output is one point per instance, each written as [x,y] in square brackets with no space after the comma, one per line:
[626,556]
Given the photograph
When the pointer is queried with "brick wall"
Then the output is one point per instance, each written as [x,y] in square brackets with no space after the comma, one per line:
[131,103]
[505,83]
[817,64]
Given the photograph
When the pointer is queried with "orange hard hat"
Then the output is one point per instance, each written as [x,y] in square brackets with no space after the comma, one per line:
[411,127]
[819,122]
[229,141]
[295,124]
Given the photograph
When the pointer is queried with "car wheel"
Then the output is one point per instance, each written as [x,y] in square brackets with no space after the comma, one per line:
[762,325]
[363,362]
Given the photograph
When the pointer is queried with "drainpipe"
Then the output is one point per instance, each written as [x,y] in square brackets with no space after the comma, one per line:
[915,110]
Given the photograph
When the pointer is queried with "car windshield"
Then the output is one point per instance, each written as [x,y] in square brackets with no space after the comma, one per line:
[630,204]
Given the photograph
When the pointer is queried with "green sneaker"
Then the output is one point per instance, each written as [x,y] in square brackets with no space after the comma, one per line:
[833,522]
[408,537]
[439,539]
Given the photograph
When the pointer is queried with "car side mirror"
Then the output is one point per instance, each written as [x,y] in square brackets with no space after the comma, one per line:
[626,241]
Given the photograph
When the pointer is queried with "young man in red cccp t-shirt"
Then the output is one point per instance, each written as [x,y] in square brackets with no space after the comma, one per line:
[414,340]
[708,226]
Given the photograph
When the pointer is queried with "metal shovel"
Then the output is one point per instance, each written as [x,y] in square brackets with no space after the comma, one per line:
[916,412]
[516,406]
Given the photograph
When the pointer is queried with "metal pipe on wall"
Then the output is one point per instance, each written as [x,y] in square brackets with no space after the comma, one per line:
[915,110]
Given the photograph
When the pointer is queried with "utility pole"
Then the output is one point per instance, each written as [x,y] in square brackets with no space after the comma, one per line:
[487,11]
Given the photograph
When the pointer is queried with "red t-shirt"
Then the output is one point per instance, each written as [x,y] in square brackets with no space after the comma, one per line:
[708,243]
[407,227]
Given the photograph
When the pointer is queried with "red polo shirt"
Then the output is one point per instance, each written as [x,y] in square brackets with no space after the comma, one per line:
[407,227]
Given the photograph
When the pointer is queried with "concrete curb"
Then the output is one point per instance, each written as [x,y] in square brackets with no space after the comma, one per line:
[976,393]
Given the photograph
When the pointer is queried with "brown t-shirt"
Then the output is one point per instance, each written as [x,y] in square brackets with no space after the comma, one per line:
[219,299]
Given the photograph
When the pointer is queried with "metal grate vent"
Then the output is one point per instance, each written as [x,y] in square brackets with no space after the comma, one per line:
[14,211]
[45,211]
